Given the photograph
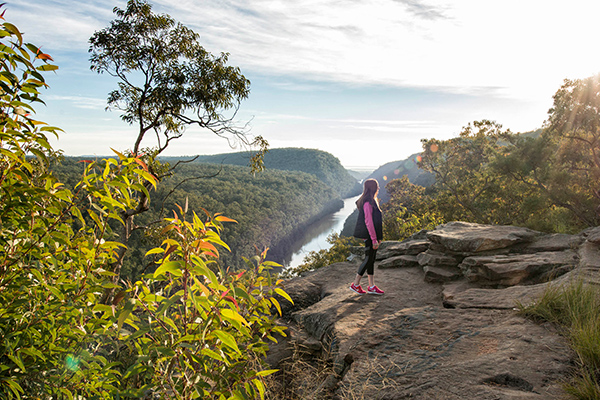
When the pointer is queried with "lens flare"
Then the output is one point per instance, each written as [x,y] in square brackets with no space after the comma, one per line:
[72,362]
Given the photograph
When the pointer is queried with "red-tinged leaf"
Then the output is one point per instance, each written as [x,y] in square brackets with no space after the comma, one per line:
[206,245]
[233,301]
[167,229]
[238,276]
[170,250]
[205,212]
[141,163]
[221,218]
[44,56]
[120,296]
[263,255]
[224,293]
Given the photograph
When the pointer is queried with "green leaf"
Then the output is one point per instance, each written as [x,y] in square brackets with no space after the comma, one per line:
[17,360]
[276,304]
[47,67]
[227,339]
[14,30]
[212,354]
[156,250]
[124,314]
[266,372]
[260,386]
[232,315]
[172,267]
[283,294]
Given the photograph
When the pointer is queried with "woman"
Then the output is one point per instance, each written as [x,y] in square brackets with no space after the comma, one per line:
[369,228]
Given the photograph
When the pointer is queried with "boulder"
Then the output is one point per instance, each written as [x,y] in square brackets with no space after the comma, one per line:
[399,262]
[407,247]
[441,274]
[553,242]
[510,270]
[436,259]
[589,255]
[494,299]
[592,235]
[465,237]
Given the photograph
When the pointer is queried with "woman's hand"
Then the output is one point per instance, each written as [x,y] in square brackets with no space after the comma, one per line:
[376,245]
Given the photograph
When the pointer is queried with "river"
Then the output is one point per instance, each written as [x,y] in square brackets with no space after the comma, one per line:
[315,237]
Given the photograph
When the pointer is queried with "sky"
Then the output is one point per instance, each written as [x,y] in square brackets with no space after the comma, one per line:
[365,80]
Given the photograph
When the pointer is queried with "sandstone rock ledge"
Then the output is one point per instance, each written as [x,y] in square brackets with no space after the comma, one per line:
[446,327]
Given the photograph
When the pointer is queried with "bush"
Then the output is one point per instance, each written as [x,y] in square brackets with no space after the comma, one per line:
[187,330]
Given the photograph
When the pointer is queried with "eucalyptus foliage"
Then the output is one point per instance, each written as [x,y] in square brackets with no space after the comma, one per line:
[188,330]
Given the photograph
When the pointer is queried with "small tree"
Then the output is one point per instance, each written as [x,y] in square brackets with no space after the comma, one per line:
[408,211]
[561,166]
[574,123]
[463,173]
[167,82]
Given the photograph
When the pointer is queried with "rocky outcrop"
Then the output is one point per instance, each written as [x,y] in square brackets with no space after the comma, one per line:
[446,327]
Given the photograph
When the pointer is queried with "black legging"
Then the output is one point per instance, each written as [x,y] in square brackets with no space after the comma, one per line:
[369,262]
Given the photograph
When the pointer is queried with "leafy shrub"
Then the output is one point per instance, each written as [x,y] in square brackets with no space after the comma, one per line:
[68,327]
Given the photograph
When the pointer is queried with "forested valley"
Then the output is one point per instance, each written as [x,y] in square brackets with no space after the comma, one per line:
[270,208]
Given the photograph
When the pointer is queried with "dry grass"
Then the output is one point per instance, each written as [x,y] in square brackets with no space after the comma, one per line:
[300,376]
[303,377]
[576,309]
[377,379]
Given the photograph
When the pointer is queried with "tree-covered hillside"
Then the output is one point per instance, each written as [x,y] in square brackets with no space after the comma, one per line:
[396,170]
[270,207]
[323,165]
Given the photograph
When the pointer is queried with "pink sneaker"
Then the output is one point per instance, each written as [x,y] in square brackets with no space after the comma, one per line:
[357,289]
[374,290]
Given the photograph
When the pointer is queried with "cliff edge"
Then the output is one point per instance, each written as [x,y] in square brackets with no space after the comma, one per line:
[447,326]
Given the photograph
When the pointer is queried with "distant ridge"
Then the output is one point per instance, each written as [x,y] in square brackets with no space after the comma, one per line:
[397,169]
[325,166]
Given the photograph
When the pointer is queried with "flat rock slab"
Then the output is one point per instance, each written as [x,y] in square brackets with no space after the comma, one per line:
[589,255]
[493,299]
[592,234]
[465,237]
[399,262]
[437,259]
[441,274]
[467,295]
[554,242]
[407,247]
[510,270]
[406,344]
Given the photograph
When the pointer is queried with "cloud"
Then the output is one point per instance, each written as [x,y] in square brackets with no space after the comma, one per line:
[421,10]
[88,103]
[60,24]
